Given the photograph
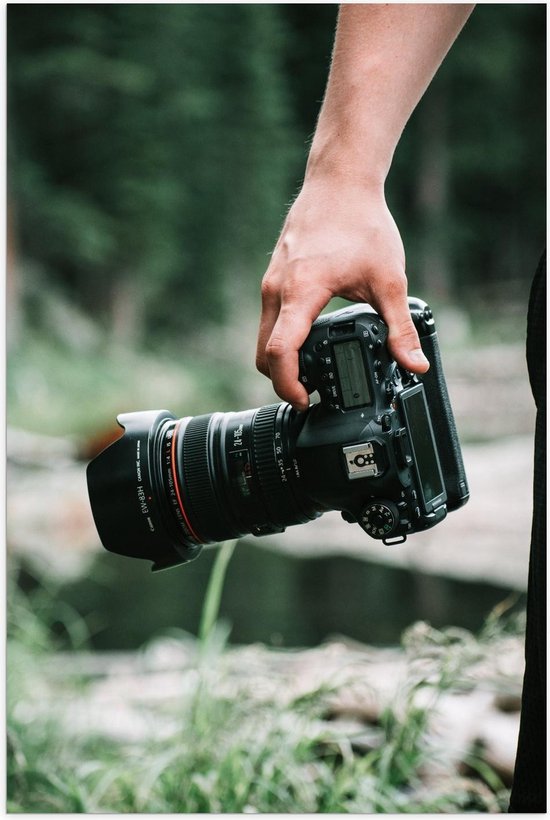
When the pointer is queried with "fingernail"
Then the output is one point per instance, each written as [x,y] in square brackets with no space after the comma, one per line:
[417,356]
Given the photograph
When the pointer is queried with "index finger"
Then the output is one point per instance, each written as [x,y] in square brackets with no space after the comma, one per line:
[403,341]
[288,335]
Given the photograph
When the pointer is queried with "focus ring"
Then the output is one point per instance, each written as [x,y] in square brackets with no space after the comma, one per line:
[274,490]
[195,478]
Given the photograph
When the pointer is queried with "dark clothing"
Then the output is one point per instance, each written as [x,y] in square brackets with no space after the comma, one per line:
[529,787]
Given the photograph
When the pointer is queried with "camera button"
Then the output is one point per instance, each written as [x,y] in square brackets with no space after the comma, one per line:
[401,448]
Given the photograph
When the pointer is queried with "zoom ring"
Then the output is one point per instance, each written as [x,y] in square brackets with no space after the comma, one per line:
[275,490]
[200,496]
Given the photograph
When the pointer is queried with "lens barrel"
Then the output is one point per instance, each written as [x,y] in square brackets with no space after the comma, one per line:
[194,467]
[168,486]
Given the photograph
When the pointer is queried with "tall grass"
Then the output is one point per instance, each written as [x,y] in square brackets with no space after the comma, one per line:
[229,750]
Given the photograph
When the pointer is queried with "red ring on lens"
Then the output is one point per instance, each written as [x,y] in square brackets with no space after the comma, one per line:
[177,487]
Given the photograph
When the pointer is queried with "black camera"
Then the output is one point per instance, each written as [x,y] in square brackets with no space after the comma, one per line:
[380,445]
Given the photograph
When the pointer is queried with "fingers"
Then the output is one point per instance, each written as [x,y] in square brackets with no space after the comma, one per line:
[284,327]
[287,337]
[270,310]
[288,312]
[403,341]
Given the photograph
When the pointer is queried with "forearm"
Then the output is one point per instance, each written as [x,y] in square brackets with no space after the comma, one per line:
[383,60]
[339,238]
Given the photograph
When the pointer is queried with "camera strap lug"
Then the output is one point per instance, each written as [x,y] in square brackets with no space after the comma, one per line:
[391,542]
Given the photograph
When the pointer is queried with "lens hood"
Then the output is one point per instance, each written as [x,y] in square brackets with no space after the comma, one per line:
[123,485]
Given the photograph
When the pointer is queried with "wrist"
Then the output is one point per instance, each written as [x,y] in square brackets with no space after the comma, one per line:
[346,165]
[348,148]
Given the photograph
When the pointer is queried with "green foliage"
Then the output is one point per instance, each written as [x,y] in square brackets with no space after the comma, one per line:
[214,591]
[55,389]
[232,750]
[479,136]
[148,145]
[153,150]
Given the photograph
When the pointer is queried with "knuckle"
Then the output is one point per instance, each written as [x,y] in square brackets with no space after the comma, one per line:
[269,290]
[276,348]
[390,291]
[396,286]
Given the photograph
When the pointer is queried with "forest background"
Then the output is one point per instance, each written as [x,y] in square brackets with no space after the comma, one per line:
[152,153]
[153,150]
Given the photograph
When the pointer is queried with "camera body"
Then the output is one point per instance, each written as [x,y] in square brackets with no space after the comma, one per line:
[380,446]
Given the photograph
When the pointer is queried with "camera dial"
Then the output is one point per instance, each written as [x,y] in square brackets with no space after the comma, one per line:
[379,519]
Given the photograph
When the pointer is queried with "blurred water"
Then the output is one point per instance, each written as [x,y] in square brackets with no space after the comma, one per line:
[274,598]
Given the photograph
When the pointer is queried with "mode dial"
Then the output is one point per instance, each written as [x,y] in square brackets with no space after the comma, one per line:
[379,519]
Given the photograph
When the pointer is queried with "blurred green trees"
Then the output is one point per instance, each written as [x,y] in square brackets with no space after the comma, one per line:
[469,176]
[153,150]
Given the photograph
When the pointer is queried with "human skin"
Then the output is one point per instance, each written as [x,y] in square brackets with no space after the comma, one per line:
[339,237]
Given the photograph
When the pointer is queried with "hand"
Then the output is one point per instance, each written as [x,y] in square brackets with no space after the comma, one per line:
[339,239]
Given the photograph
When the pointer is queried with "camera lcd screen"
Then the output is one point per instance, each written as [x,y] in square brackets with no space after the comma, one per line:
[354,386]
[422,443]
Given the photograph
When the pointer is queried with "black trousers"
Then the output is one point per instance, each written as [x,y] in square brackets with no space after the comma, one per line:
[529,786]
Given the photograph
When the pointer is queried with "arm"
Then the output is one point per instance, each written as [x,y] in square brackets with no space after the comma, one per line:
[339,238]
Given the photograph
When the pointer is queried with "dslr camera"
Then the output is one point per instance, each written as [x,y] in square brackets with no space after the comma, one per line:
[380,445]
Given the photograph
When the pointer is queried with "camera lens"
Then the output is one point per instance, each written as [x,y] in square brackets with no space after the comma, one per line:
[169,486]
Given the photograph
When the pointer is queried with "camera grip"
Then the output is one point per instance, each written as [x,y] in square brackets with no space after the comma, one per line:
[444,424]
